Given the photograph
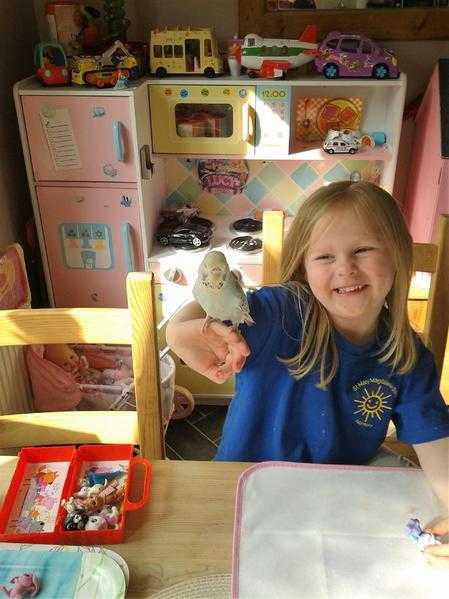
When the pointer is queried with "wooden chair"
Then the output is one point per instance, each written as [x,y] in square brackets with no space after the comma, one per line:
[135,326]
[429,309]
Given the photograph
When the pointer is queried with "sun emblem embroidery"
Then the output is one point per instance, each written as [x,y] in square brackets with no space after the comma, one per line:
[374,398]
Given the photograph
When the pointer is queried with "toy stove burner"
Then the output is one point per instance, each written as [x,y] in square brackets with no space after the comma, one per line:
[246,244]
[247,225]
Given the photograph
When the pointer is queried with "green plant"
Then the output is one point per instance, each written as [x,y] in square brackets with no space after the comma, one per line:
[115,18]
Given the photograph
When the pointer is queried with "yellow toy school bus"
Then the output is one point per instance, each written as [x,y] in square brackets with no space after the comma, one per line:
[179,51]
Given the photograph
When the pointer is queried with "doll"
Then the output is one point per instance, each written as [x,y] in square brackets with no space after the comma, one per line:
[64,356]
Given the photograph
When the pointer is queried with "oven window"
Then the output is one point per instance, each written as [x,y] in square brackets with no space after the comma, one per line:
[204,120]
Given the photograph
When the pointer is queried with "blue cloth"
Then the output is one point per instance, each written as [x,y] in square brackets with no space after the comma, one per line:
[57,571]
[275,417]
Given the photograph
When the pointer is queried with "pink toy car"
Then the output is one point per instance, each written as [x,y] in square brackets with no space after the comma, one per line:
[354,55]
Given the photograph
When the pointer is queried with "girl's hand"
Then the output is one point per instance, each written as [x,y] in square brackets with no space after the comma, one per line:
[438,555]
[216,353]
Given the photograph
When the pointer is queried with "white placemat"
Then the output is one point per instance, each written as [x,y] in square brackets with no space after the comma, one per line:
[332,532]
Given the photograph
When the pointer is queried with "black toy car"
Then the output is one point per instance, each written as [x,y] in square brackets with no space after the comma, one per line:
[186,236]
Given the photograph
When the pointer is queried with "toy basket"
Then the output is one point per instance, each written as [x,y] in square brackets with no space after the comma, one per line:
[105,381]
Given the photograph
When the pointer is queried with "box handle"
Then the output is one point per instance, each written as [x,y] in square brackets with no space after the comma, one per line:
[135,505]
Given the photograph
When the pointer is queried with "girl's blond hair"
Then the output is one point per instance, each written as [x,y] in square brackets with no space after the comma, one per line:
[379,210]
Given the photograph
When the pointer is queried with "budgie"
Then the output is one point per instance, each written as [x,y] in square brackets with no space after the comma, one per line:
[219,293]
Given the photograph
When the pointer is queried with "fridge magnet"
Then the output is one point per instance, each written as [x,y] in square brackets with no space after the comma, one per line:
[87,245]
[223,176]
[58,131]
[98,111]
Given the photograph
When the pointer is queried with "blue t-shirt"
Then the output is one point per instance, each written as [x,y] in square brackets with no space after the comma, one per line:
[275,417]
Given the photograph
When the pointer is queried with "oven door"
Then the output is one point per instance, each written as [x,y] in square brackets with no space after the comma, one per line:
[196,119]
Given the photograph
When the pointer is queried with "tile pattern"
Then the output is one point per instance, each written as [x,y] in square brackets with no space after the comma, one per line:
[271,184]
[196,437]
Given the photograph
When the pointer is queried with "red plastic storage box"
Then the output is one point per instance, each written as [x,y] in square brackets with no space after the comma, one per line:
[44,476]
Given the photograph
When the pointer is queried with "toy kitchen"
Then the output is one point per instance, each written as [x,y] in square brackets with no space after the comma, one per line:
[154,175]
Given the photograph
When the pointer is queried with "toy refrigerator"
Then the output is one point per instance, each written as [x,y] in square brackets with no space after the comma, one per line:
[95,193]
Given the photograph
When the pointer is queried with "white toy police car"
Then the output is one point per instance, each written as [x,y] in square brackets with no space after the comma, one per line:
[341,142]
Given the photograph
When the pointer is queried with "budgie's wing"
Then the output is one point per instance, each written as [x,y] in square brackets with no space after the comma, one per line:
[242,310]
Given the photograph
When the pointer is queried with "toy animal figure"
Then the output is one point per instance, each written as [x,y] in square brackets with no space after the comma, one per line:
[111,494]
[219,293]
[96,522]
[26,584]
[111,514]
[75,520]
[423,539]
[87,491]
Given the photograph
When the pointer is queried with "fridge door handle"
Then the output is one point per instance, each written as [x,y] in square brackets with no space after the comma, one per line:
[128,252]
[117,141]
[245,121]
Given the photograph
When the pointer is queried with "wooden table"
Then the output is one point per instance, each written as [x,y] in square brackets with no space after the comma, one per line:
[185,530]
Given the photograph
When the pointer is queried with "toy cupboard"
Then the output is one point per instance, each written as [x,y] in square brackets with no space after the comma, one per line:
[101,165]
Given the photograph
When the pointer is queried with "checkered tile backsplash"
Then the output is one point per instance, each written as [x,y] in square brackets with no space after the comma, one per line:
[271,185]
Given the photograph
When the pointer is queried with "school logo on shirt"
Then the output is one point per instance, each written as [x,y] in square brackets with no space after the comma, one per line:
[373,398]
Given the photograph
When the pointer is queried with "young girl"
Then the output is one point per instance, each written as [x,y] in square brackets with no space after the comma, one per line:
[331,358]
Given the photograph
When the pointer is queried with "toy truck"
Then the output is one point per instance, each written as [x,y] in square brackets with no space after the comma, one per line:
[105,69]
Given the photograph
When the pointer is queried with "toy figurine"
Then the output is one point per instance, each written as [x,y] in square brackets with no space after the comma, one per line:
[219,293]
[96,522]
[75,520]
[94,477]
[87,491]
[25,585]
[271,58]
[112,493]
[422,539]
[111,514]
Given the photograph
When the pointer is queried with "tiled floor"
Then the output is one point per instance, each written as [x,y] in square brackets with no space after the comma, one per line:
[196,437]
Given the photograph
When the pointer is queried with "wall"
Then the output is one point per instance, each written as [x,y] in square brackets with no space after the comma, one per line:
[18,34]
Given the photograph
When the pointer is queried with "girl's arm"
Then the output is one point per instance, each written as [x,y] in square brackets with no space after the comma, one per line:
[216,352]
[434,460]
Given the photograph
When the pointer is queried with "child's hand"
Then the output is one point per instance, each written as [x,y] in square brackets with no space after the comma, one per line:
[216,353]
[438,554]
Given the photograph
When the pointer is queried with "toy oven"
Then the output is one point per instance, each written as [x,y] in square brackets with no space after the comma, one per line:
[198,119]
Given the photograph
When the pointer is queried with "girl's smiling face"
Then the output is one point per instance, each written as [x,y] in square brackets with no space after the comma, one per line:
[350,271]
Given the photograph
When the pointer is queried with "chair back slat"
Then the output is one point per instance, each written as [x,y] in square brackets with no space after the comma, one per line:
[273,238]
[425,257]
[65,325]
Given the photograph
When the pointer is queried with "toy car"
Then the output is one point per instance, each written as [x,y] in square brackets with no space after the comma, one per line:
[186,236]
[51,64]
[105,77]
[354,55]
[341,142]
